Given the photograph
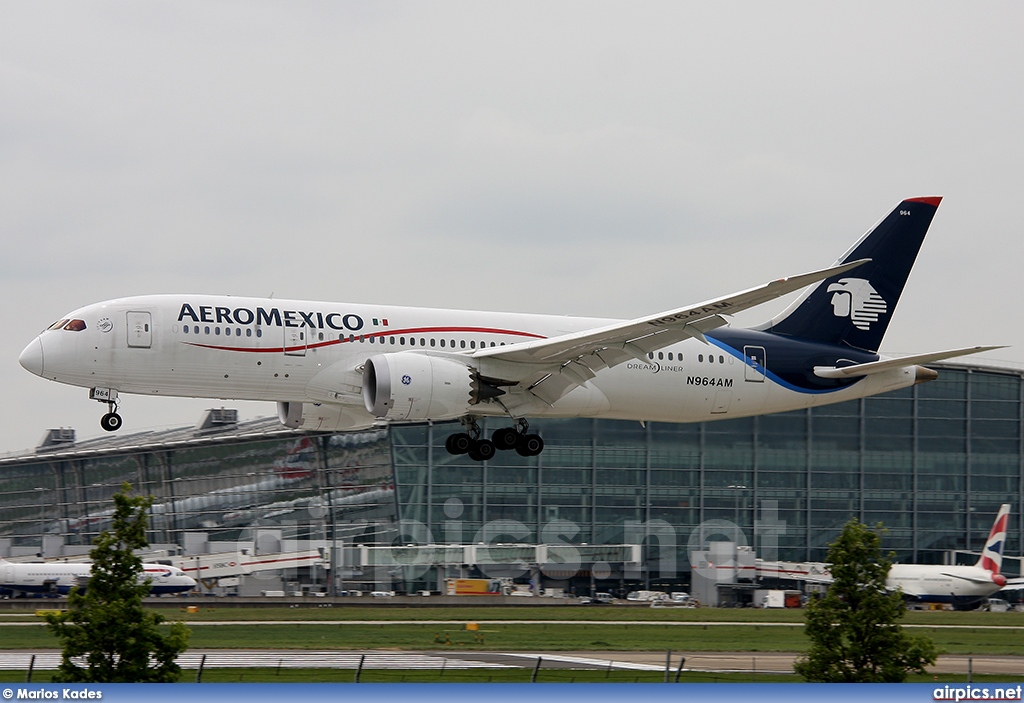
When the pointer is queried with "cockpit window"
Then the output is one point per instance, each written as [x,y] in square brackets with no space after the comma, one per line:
[75,326]
[58,324]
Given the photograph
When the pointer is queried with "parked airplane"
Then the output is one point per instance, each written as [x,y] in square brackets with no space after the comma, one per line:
[962,586]
[334,366]
[59,578]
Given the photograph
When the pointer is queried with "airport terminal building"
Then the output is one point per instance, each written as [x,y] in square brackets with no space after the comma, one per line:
[933,463]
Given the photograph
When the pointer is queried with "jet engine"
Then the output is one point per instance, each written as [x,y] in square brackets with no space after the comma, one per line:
[322,417]
[417,387]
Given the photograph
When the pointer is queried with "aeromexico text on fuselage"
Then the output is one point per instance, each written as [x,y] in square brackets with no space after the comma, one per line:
[217,314]
[317,319]
[786,358]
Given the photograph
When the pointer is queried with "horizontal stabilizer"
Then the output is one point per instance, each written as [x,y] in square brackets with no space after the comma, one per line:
[972,579]
[873,367]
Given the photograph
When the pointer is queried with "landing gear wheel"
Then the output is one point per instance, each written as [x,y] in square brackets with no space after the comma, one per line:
[530,445]
[505,438]
[458,443]
[482,450]
[111,422]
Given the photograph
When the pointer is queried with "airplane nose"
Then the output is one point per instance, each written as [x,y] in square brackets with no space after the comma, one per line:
[32,357]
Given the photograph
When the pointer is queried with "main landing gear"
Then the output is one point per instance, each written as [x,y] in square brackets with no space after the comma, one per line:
[504,438]
[111,421]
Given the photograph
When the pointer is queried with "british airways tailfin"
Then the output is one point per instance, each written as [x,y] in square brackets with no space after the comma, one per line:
[854,308]
[992,555]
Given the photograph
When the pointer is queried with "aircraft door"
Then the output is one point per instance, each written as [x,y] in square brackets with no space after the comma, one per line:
[140,329]
[296,339]
[756,365]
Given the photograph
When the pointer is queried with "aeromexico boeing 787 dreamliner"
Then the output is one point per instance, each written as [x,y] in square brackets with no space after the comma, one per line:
[341,366]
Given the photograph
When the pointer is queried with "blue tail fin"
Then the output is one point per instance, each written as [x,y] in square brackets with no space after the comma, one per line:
[854,308]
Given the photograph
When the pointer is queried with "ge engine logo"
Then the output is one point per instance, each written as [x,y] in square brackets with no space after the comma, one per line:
[406,380]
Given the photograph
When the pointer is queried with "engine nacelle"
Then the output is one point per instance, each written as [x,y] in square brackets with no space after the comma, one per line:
[322,417]
[417,387]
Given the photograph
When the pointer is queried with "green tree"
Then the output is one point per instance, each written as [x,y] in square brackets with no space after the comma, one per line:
[854,630]
[106,626]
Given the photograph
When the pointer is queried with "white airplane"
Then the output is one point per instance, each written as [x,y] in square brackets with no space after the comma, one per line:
[59,578]
[962,586]
[340,366]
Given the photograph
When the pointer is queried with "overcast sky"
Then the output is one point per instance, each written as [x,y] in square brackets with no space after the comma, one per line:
[594,158]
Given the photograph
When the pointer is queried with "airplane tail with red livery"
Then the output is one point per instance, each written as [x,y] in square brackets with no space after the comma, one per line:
[992,555]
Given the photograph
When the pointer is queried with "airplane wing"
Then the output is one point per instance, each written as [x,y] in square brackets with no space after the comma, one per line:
[556,365]
[873,367]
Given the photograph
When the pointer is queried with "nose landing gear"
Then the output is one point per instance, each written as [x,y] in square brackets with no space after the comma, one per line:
[111,421]
[503,439]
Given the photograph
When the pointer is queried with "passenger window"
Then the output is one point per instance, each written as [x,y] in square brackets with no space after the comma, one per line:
[721,359]
[442,342]
[700,358]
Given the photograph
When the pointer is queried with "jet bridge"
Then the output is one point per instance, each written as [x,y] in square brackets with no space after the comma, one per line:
[208,569]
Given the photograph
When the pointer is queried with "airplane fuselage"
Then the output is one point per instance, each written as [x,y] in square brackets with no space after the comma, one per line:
[314,352]
[959,585]
[60,578]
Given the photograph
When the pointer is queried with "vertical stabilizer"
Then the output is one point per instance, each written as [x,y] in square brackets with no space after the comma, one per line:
[854,308]
[992,555]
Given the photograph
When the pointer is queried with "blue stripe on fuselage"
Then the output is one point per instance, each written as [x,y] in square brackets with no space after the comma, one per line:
[790,362]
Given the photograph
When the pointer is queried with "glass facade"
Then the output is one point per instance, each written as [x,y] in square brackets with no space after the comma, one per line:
[933,463]
[221,489]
